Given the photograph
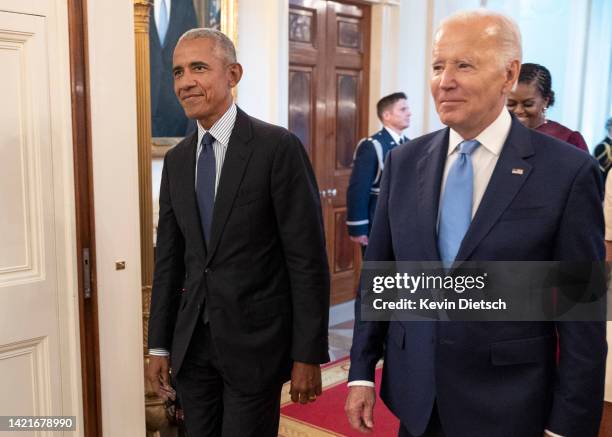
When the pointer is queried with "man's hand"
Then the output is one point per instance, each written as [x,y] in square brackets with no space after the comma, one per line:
[158,375]
[361,239]
[305,382]
[359,408]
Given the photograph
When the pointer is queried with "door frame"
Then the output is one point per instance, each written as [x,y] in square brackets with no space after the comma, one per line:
[85,224]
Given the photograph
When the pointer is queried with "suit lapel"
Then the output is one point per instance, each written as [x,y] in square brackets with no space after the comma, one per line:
[187,192]
[235,163]
[504,185]
[429,175]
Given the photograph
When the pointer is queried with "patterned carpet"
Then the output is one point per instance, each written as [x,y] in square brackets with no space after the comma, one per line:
[325,417]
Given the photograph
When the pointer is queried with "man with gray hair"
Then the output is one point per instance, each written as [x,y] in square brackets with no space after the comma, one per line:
[240,296]
[485,188]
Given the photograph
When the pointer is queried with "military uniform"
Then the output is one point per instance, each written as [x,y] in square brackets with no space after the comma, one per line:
[364,185]
[603,154]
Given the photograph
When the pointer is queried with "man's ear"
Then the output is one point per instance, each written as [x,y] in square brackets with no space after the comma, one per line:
[512,74]
[385,116]
[234,74]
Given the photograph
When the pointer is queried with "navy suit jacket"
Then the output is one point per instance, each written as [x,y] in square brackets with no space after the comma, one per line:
[496,378]
[363,188]
[168,118]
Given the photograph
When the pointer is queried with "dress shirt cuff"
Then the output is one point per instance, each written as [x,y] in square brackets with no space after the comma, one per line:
[159,352]
[361,383]
[551,434]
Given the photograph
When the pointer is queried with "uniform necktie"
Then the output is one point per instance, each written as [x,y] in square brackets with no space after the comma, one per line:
[162,26]
[456,206]
[205,185]
[403,140]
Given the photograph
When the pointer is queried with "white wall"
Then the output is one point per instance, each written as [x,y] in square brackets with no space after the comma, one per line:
[115,181]
[263,51]
[384,52]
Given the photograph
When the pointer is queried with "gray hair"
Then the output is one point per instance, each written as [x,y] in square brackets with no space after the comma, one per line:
[502,27]
[224,47]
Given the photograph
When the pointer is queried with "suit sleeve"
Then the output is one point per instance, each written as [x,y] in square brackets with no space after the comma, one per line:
[369,337]
[297,209]
[579,387]
[169,271]
[365,167]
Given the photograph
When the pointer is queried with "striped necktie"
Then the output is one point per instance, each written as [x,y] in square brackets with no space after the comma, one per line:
[205,185]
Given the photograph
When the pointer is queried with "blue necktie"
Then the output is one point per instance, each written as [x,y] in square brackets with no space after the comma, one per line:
[456,206]
[162,26]
[403,140]
[205,185]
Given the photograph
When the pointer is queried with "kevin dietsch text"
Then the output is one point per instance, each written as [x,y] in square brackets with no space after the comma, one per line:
[430,304]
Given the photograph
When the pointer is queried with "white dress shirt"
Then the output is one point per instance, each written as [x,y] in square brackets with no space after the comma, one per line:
[484,157]
[157,8]
[221,131]
[396,137]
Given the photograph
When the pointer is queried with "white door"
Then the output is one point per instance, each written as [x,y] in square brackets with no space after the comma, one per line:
[39,343]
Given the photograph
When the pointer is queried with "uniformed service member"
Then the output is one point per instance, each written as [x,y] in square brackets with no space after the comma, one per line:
[603,151]
[368,164]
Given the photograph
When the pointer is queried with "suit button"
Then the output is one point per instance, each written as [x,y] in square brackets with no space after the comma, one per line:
[207,270]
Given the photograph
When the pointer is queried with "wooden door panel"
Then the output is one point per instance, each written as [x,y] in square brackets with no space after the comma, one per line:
[346,119]
[302,24]
[349,33]
[344,261]
[302,105]
[328,95]
[347,110]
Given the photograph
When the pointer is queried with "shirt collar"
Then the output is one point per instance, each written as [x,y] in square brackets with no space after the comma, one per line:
[492,138]
[396,137]
[222,129]
[157,7]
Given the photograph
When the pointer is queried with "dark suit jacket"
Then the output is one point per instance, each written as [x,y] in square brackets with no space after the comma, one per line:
[498,379]
[167,116]
[264,279]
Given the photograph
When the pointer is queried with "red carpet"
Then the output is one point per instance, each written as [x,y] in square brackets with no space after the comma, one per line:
[326,417]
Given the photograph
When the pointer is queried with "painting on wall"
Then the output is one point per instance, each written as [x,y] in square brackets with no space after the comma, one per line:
[209,13]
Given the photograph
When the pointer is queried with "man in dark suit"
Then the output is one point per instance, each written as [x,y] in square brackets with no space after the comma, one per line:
[167,116]
[485,189]
[368,164]
[241,287]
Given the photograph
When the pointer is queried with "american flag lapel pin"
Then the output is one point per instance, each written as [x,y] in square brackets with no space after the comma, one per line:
[518,171]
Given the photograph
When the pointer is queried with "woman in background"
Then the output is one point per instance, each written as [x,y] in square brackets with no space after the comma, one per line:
[530,99]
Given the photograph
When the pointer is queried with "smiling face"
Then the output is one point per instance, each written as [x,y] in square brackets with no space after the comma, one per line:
[527,103]
[469,85]
[203,80]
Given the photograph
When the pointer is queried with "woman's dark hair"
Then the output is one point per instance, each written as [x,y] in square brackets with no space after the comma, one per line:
[538,74]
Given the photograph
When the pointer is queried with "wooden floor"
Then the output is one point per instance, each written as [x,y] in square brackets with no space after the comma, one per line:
[606,421]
